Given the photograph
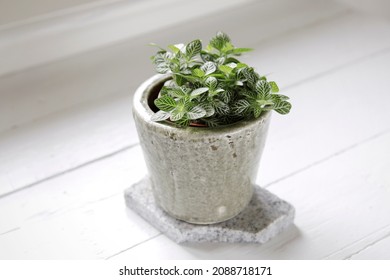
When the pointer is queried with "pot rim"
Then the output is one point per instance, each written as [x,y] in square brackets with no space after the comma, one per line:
[144,112]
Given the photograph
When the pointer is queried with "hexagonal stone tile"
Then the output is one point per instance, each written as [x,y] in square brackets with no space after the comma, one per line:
[265,217]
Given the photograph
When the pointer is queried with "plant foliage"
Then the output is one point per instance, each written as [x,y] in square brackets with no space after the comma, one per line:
[211,86]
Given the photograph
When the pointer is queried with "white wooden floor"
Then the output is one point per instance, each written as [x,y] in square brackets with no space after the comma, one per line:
[62,175]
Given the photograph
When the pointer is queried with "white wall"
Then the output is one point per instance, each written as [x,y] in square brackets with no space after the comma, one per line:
[12,11]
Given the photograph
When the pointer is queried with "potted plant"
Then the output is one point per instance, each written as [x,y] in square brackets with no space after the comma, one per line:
[202,123]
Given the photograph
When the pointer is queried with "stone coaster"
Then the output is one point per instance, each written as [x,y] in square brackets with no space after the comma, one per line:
[266,216]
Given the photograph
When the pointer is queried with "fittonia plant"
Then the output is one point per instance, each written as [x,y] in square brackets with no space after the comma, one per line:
[211,86]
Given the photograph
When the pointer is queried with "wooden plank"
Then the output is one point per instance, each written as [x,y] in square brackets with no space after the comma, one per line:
[338,202]
[372,246]
[330,114]
[323,47]
[80,215]
[377,251]
[65,141]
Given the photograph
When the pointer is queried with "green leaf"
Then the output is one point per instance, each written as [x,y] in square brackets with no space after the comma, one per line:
[185,78]
[208,68]
[177,92]
[193,48]
[274,86]
[174,49]
[212,86]
[160,116]
[198,73]
[225,69]
[263,89]
[211,82]
[227,48]
[199,91]
[184,122]
[238,51]
[165,103]
[282,107]
[257,111]
[196,112]
[180,80]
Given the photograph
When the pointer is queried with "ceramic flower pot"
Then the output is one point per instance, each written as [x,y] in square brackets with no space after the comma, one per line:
[198,175]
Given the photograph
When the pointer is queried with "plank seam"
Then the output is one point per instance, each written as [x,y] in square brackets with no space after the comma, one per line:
[339,67]
[135,245]
[320,161]
[56,175]
[367,246]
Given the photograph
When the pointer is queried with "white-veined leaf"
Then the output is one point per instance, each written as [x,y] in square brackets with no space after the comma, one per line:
[250,75]
[208,68]
[165,103]
[263,89]
[160,116]
[183,122]
[223,36]
[226,96]
[221,107]
[196,112]
[218,90]
[220,60]
[257,111]
[199,91]
[177,92]
[193,48]
[162,68]
[211,82]
[212,122]
[241,106]
[209,110]
[177,115]
[282,107]
[281,97]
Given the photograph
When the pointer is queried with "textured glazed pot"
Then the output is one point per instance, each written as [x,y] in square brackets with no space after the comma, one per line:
[199,175]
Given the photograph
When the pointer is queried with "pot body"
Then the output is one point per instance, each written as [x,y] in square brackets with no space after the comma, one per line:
[199,175]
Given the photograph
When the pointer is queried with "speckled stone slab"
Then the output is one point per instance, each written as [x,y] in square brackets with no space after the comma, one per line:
[265,217]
